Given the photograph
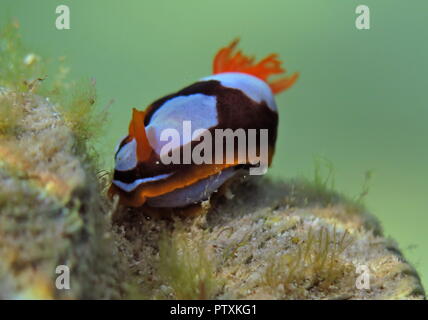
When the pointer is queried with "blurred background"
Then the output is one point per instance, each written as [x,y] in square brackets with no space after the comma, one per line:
[361,100]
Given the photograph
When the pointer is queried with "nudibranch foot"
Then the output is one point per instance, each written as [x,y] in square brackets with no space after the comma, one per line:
[195,193]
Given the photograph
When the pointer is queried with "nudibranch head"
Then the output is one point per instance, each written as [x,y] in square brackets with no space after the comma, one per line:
[188,144]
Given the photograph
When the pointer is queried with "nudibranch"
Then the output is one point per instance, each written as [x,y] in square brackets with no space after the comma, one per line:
[237,97]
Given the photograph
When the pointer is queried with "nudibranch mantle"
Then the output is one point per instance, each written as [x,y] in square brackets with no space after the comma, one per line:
[237,96]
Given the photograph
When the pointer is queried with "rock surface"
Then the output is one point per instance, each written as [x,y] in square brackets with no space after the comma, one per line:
[51,211]
[271,241]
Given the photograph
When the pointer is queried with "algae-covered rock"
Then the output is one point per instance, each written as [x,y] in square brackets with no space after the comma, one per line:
[271,241]
[50,208]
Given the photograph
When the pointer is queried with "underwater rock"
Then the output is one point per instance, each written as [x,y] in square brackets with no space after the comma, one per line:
[274,240]
[51,212]
[270,240]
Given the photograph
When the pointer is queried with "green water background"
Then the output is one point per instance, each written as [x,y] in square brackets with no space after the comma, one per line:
[361,101]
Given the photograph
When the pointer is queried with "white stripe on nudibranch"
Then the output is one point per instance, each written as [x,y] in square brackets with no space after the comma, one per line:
[253,87]
[198,108]
[126,158]
[128,187]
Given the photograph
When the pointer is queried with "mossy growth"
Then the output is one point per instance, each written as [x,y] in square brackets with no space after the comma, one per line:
[321,189]
[20,68]
[24,71]
[169,263]
[9,115]
[315,262]
[185,268]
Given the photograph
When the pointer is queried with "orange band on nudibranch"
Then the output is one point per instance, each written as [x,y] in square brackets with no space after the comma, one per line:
[137,130]
[227,60]
[177,181]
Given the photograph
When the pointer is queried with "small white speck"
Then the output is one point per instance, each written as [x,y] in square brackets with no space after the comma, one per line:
[30,59]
